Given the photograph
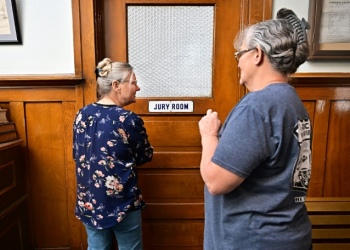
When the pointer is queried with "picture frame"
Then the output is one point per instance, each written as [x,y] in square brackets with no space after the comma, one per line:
[9,28]
[329,35]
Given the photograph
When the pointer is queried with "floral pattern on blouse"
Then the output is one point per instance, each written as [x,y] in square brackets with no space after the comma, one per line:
[109,142]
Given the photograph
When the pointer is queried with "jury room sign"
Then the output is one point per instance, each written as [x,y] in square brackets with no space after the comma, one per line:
[170,106]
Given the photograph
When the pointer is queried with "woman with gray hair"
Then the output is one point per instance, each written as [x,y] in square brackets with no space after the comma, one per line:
[257,166]
[109,142]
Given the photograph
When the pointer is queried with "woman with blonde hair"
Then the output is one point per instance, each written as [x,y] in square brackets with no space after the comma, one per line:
[109,143]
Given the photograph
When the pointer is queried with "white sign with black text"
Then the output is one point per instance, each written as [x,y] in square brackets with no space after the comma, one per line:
[170,106]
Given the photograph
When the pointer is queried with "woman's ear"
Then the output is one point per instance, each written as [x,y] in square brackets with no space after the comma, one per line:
[116,86]
[259,54]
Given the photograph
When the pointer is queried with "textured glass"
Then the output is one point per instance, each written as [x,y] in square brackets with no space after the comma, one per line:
[171,50]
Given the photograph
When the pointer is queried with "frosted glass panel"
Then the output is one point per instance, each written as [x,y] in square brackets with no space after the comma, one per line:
[171,49]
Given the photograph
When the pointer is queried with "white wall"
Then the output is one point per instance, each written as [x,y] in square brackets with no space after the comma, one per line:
[47,40]
[301,8]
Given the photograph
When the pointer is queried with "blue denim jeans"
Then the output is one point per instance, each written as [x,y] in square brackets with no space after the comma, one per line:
[128,234]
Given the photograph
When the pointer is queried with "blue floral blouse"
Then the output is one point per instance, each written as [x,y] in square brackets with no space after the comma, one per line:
[108,143]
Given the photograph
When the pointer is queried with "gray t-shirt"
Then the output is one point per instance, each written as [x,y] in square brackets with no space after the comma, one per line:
[266,139]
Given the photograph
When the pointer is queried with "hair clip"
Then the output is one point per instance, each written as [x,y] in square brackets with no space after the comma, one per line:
[98,71]
[300,27]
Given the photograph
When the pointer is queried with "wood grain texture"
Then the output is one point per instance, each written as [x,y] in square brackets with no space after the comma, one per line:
[164,234]
[39,80]
[69,164]
[173,133]
[164,159]
[115,30]
[337,170]
[47,174]
[319,148]
[174,211]
[171,184]
[88,50]
[225,84]
[18,113]
[37,94]
[323,93]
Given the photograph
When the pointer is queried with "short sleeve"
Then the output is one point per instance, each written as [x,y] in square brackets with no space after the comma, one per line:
[138,139]
[243,143]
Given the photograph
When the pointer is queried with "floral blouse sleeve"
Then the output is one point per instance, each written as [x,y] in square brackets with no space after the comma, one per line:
[138,139]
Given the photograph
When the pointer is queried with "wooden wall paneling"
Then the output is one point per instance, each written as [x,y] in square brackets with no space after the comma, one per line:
[337,164]
[225,87]
[74,224]
[172,234]
[79,97]
[173,133]
[170,159]
[88,50]
[323,92]
[47,174]
[12,225]
[77,38]
[310,108]
[184,211]
[171,184]
[37,94]
[259,10]
[319,148]
[17,112]
[115,30]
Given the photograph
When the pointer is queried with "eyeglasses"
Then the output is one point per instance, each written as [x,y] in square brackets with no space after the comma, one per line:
[132,82]
[239,54]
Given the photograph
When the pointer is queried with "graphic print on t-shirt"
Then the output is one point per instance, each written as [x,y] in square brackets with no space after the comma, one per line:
[302,168]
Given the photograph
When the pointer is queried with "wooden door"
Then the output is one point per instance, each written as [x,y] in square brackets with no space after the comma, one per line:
[171,184]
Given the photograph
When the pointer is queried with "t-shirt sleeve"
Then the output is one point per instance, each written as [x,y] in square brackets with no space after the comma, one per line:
[243,143]
[138,139]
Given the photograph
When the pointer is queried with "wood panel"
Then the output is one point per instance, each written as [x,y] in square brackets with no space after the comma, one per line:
[14,228]
[319,148]
[88,50]
[337,170]
[75,225]
[174,211]
[171,184]
[14,231]
[12,187]
[173,234]
[163,159]
[47,173]
[37,94]
[173,133]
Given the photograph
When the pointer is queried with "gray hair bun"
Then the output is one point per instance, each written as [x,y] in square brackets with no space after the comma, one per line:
[300,26]
[104,67]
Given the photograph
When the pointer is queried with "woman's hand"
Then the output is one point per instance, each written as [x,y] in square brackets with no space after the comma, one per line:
[210,124]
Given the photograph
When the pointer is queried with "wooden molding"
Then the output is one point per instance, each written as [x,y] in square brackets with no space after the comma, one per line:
[320,79]
[39,80]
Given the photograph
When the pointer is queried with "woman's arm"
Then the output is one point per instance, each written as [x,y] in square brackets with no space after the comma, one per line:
[138,138]
[217,179]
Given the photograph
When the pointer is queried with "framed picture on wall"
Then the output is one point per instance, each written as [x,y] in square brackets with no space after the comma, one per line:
[329,36]
[9,28]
